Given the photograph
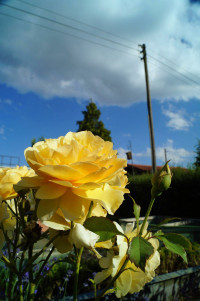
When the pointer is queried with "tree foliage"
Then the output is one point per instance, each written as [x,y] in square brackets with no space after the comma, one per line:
[197,161]
[33,140]
[92,123]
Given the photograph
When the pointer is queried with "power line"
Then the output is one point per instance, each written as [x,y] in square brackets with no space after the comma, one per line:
[94,35]
[174,70]
[68,34]
[170,61]
[69,26]
[172,74]
[101,30]
[79,22]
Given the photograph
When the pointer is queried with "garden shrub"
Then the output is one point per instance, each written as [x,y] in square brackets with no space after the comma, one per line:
[179,200]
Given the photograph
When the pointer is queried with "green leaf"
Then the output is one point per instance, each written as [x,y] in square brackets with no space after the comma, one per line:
[103,227]
[111,290]
[10,264]
[179,239]
[174,247]
[136,211]
[92,281]
[139,251]
[159,233]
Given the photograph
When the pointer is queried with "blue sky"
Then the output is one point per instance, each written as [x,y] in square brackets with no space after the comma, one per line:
[47,76]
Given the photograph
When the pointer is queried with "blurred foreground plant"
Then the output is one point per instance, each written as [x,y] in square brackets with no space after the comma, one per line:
[74,181]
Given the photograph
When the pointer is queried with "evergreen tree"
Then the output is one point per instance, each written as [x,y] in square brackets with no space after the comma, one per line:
[33,141]
[92,123]
[197,162]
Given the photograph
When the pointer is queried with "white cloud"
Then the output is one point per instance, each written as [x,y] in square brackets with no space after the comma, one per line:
[122,153]
[52,64]
[6,101]
[178,119]
[2,130]
[177,156]
[126,135]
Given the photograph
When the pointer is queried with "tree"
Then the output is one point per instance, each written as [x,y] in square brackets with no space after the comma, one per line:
[92,123]
[33,140]
[197,162]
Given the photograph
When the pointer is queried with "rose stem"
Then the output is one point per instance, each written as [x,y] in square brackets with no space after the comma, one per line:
[78,260]
[147,215]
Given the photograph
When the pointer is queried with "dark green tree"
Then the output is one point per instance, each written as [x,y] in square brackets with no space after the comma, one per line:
[92,123]
[33,141]
[197,161]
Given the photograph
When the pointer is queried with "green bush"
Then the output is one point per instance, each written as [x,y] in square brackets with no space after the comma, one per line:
[180,200]
[171,262]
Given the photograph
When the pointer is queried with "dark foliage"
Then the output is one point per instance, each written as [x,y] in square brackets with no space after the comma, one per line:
[180,200]
[92,123]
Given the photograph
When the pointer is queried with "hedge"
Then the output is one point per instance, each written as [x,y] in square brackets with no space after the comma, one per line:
[180,200]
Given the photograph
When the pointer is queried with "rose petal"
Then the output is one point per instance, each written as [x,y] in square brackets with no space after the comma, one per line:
[85,167]
[71,205]
[62,183]
[123,283]
[47,208]
[62,243]
[104,244]
[58,222]
[30,182]
[109,198]
[82,237]
[62,172]
[101,276]
[50,191]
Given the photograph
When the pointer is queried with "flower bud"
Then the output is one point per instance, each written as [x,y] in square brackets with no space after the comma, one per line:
[161,181]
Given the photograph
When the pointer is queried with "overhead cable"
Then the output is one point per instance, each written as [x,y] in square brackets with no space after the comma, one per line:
[68,34]
[68,26]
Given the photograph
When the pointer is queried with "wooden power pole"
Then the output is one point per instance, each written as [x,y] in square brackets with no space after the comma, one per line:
[150,118]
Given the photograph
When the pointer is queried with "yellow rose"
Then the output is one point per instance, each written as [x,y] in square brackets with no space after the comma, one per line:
[10,176]
[131,280]
[7,222]
[78,235]
[74,170]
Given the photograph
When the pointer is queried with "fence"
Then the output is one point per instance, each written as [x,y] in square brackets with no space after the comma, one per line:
[9,160]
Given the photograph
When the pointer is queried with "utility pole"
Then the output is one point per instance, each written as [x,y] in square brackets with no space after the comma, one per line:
[150,118]
[165,151]
[130,155]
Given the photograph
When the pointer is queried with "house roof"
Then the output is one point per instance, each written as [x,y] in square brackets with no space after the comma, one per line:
[142,167]
[149,167]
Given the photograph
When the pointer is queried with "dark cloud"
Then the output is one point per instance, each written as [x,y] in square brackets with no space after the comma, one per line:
[194,1]
[51,63]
